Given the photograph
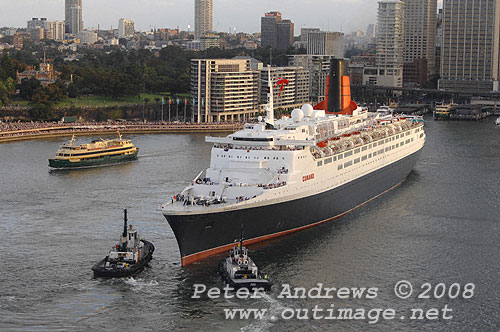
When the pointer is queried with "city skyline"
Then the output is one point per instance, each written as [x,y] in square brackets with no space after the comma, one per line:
[328,15]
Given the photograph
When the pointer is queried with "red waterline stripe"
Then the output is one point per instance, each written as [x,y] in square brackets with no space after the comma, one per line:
[214,251]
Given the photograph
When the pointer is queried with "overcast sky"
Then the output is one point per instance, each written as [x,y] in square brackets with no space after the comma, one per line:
[329,15]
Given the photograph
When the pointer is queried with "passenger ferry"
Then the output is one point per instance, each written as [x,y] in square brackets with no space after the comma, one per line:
[97,153]
[443,111]
[276,177]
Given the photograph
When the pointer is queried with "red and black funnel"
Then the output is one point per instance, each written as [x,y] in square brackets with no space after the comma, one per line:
[338,91]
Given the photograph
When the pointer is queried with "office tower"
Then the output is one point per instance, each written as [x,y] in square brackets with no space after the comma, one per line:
[470,45]
[285,31]
[390,43]
[126,28]
[325,43]
[370,31]
[202,18]
[420,32]
[305,31]
[269,29]
[73,16]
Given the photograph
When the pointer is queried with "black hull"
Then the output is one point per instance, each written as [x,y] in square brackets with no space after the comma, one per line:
[114,272]
[203,235]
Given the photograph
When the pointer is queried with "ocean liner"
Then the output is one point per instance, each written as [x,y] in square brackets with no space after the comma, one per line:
[275,177]
[97,153]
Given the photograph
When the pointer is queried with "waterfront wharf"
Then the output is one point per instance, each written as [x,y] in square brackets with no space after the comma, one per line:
[16,131]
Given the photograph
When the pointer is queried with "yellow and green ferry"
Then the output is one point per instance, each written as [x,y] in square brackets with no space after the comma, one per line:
[97,153]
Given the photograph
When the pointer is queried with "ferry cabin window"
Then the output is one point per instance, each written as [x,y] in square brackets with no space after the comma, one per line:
[320,163]
[334,158]
[356,160]
[397,136]
[407,141]
[387,140]
[402,143]
[380,151]
[370,155]
[397,145]
[374,153]
[357,150]
[340,167]
[341,156]
[364,157]
[387,148]
[328,160]
[347,164]
[347,154]
[364,148]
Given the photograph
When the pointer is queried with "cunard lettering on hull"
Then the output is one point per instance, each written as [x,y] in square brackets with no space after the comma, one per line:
[280,176]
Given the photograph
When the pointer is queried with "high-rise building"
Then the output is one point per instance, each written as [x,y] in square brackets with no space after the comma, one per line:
[420,32]
[325,43]
[470,45]
[390,43]
[305,31]
[126,28]
[36,23]
[224,90]
[73,16]
[269,29]
[52,29]
[285,31]
[202,18]
[370,31]
[58,29]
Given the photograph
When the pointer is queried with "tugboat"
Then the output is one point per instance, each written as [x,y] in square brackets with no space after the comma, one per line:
[239,271]
[128,257]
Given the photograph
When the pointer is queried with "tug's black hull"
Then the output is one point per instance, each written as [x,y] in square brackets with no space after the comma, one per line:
[113,271]
[262,283]
[203,235]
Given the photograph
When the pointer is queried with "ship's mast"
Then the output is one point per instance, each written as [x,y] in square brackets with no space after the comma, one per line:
[124,235]
[270,101]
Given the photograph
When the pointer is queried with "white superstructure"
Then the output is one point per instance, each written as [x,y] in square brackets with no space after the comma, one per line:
[308,153]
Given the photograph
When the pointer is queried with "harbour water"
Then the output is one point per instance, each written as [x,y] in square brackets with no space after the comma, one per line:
[440,226]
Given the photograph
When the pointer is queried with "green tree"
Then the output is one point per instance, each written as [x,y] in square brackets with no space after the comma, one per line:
[4,94]
[28,87]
